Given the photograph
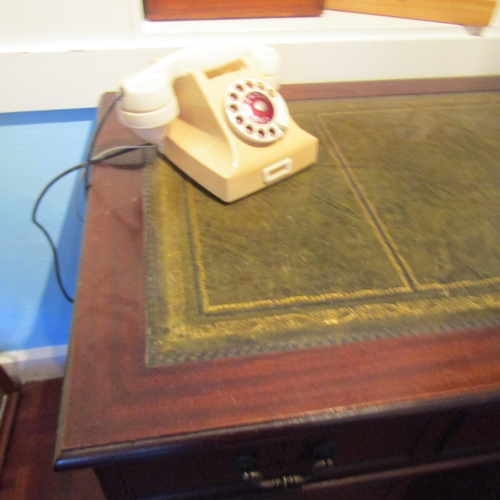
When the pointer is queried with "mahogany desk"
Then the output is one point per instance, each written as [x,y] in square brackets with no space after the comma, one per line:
[352,421]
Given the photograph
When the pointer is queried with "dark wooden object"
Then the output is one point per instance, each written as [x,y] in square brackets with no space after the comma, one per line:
[9,398]
[466,12]
[27,471]
[385,410]
[389,87]
[169,10]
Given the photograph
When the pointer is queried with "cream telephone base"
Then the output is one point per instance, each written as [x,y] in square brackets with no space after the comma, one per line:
[216,114]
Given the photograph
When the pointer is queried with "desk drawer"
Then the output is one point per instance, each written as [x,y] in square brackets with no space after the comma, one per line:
[476,430]
[215,468]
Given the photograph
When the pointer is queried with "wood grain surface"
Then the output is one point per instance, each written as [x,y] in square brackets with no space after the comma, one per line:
[27,472]
[9,399]
[467,12]
[163,10]
[115,407]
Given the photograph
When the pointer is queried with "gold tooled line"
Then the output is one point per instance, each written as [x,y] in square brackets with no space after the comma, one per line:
[198,252]
[299,299]
[459,284]
[251,328]
[306,299]
[380,236]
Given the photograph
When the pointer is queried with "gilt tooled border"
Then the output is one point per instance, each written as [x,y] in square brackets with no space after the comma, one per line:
[171,318]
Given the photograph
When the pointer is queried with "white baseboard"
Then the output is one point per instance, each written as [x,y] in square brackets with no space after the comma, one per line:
[35,364]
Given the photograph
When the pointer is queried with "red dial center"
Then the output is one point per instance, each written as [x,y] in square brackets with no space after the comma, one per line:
[258,108]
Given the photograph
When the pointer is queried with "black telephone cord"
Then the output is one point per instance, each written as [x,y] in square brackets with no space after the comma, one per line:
[98,159]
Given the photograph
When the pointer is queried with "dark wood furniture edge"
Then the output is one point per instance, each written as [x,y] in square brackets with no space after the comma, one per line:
[330,90]
[415,470]
[102,455]
[7,416]
[459,392]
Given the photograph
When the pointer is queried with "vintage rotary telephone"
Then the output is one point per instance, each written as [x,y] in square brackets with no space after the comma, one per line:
[216,114]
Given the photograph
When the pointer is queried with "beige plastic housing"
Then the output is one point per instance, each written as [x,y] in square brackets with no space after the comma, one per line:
[201,143]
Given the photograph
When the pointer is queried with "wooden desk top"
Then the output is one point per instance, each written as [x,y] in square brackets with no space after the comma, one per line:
[115,407]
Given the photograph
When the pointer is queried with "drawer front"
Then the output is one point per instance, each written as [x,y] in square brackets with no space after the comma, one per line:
[373,490]
[215,468]
[476,430]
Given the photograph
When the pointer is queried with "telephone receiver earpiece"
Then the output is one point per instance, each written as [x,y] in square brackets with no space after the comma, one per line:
[149,102]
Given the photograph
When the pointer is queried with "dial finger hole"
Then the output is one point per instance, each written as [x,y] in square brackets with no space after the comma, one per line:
[233,96]
[261,133]
[249,129]
[233,108]
[239,120]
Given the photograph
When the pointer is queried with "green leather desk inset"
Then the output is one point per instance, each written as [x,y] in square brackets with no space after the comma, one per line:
[395,231]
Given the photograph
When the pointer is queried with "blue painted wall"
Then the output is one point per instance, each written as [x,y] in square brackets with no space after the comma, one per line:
[34,148]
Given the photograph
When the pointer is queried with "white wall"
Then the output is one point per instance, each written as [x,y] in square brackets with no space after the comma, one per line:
[34,316]
[64,53]
[52,25]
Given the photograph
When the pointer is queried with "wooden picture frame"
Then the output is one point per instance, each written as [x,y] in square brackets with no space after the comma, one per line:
[466,12]
[170,10]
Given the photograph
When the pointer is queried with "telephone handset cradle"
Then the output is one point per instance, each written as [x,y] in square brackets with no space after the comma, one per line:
[216,113]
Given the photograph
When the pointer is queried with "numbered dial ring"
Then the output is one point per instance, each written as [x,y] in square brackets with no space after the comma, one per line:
[256,111]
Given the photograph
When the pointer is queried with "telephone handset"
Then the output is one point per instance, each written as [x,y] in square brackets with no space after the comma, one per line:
[215,112]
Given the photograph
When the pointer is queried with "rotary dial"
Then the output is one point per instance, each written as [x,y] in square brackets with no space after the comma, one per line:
[256,111]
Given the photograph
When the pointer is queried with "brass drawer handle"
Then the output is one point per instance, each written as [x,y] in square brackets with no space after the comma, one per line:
[256,479]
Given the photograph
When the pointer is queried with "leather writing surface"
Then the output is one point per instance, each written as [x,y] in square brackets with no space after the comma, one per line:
[393,232]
